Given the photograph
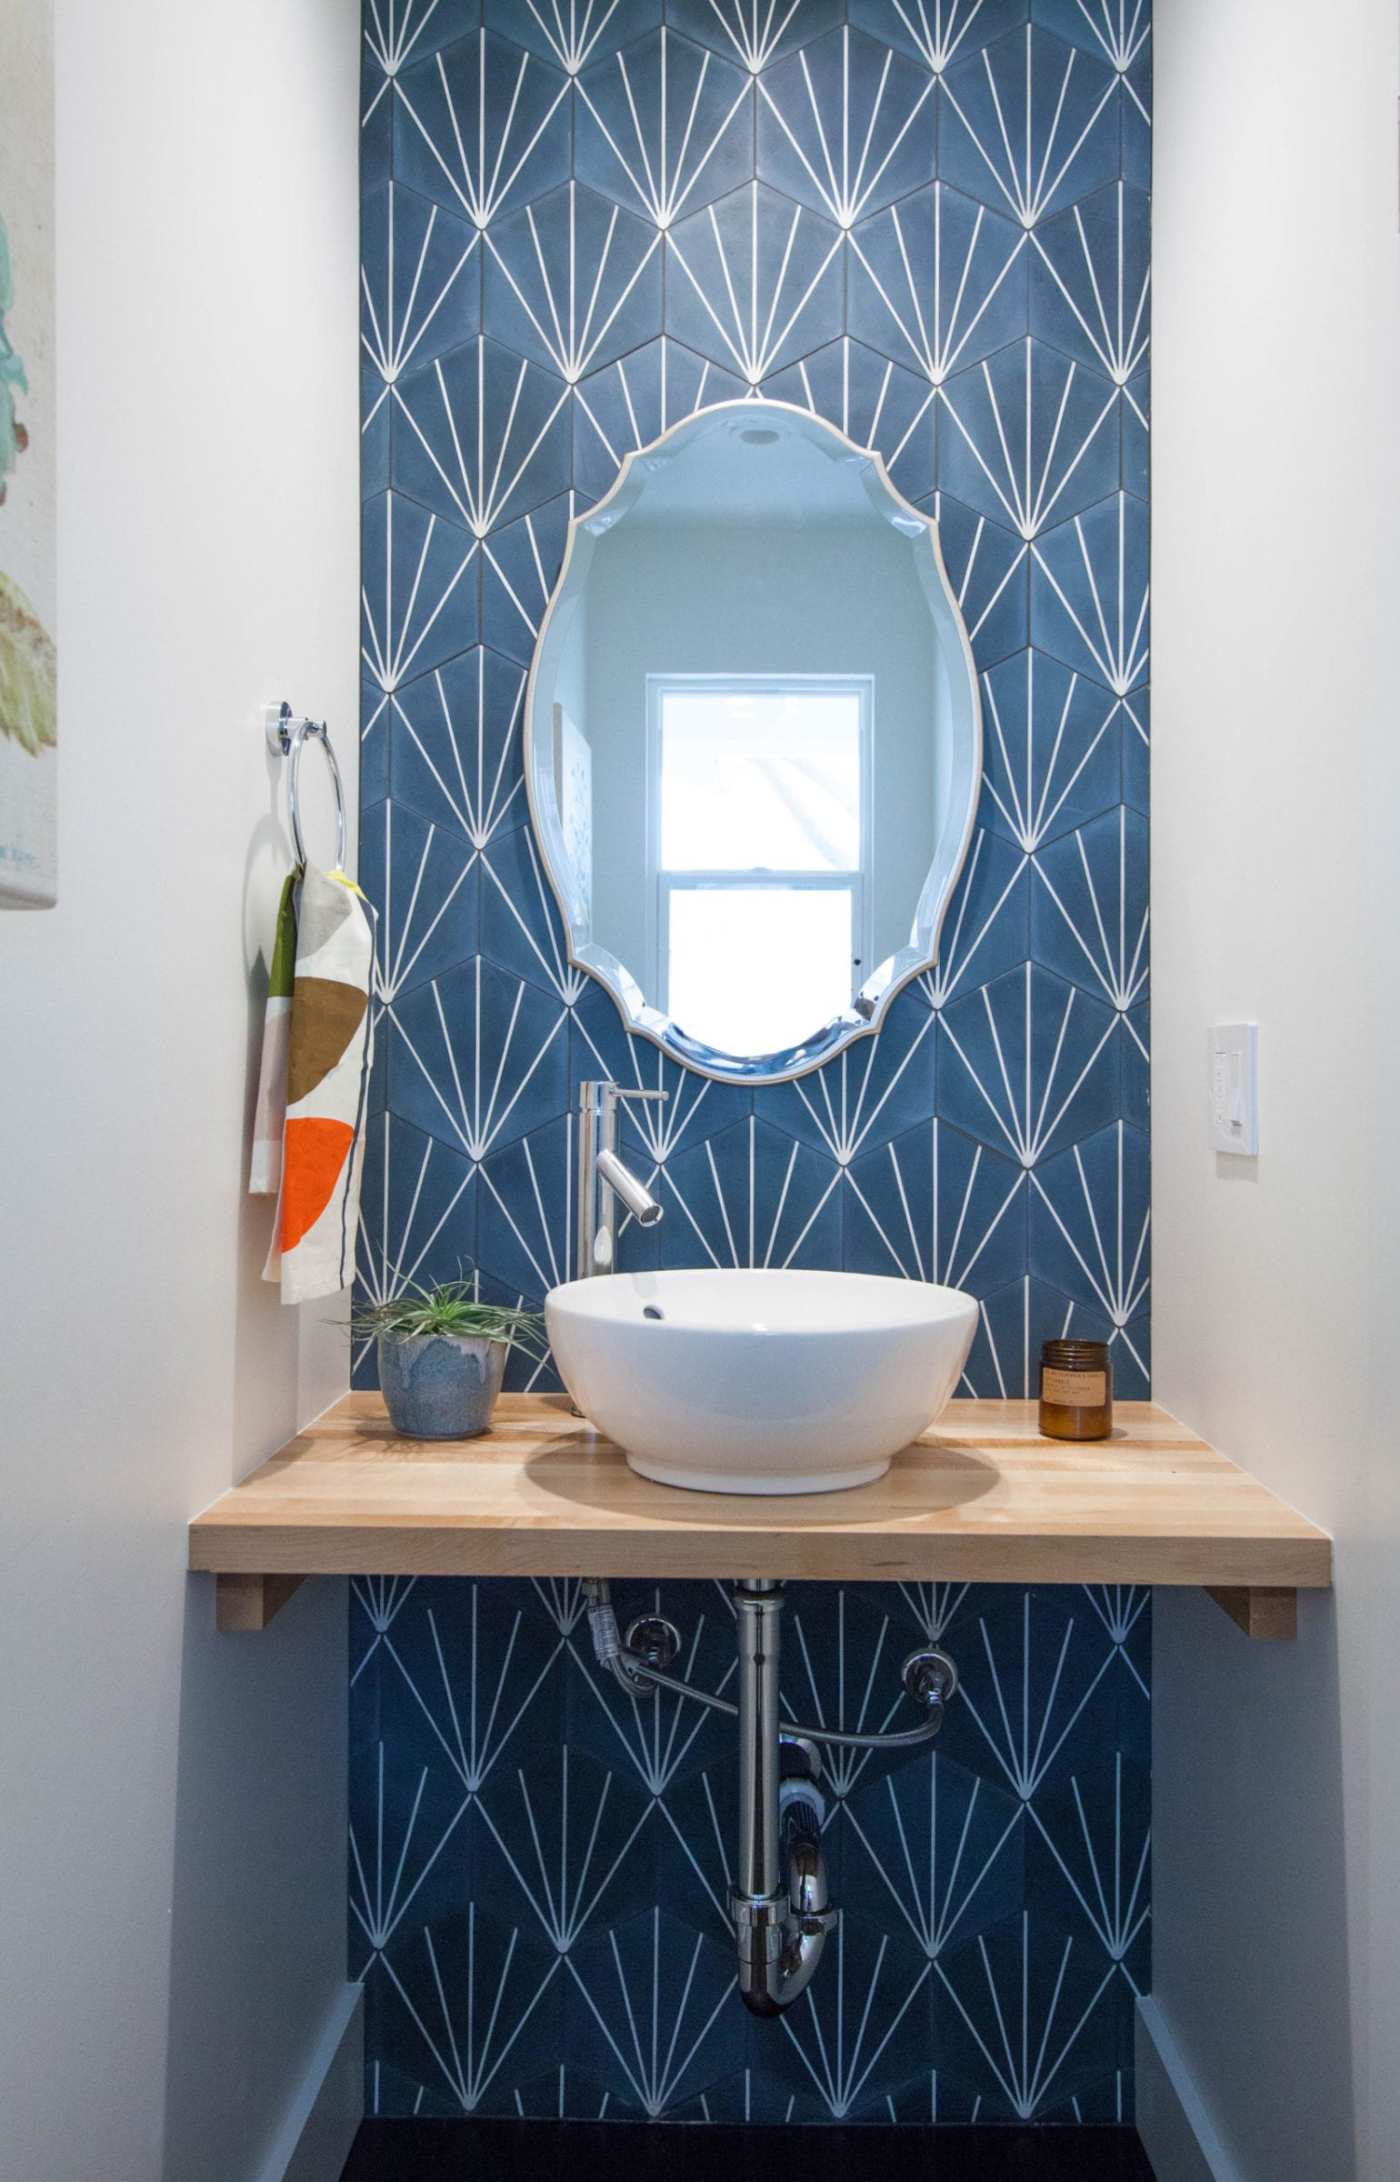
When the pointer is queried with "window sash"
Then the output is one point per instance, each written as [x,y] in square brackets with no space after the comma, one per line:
[850,883]
[663,881]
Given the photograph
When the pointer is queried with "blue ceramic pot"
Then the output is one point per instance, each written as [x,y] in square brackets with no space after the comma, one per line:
[440,1386]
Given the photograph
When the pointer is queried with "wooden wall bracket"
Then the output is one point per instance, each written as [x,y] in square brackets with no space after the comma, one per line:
[1268,1614]
[249,1602]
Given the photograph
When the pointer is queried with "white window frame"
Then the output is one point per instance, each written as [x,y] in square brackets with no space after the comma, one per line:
[858,882]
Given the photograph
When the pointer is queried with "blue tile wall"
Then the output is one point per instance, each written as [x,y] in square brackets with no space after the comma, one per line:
[926,220]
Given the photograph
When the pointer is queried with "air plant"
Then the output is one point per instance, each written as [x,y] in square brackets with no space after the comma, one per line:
[451,1310]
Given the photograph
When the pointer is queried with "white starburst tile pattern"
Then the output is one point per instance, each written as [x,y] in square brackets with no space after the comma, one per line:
[1090,593]
[751,279]
[419,603]
[927,221]
[937,32]
[399,31]
[652,1995]
[455,746]
[1027,1063]
[1032,121]
[856,2031]
[935,1205]
[481,126]
[1034,437]
[520,564]
[567,1834]
[468,2024]
[1091,278]
[573,281]
[1118,29]
[418,290]
[1052,749]
[1025,2000]
[571,32]
[940,1844]
[664,127]
[1090,1221]
[846,126]
[937,281]
[481,435]
[754,32]
[1099,1839]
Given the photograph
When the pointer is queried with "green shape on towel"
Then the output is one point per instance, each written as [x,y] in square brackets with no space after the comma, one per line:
[282,972]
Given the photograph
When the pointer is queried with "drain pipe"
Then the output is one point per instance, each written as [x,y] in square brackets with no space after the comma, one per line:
[781,1917]
[779,1906]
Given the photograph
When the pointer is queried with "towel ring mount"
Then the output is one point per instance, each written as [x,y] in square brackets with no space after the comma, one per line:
[287,736]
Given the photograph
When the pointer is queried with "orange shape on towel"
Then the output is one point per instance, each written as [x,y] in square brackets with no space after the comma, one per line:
[315,1152]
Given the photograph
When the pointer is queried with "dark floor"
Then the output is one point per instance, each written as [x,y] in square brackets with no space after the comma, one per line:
[579,2151]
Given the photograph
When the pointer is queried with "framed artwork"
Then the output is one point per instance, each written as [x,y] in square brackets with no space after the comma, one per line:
[28,482]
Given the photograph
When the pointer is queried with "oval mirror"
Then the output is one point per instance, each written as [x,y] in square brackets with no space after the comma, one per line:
[753,741]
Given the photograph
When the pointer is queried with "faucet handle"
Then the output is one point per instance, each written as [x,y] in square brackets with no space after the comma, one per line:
[602,1094]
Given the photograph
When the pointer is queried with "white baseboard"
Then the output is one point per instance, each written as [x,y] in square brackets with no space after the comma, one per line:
[315,2139]
[1177,2133]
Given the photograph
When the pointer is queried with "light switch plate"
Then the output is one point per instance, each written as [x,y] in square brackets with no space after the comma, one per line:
[1234,1089]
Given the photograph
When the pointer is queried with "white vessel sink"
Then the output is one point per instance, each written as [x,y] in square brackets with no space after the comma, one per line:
[765,1382]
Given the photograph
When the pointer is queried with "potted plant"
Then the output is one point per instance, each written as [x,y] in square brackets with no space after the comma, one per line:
[442,1356]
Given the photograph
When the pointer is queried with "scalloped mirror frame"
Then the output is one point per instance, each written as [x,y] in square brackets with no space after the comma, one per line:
[957,726]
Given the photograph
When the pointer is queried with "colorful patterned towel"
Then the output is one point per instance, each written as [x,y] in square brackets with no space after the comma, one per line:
[317,1048]
[265,1172]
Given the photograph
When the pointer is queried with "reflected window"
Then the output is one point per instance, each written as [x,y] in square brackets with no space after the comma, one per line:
[758,852]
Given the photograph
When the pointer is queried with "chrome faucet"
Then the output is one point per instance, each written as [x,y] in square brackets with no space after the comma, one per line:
[602,1178]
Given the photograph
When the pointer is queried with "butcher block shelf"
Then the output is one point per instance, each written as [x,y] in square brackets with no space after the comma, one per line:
[982,1498]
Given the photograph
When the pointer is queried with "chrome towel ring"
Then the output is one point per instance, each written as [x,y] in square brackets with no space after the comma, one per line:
[288,734]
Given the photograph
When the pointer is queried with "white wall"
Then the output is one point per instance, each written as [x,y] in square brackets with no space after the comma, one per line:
[172,1809]
[1276,892]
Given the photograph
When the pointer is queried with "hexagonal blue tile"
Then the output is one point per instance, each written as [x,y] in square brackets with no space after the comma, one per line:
[846,126]
[481,435]
[754,282]
[572,281]
[1028,124]
[482,127]
[937,282]
[664,128]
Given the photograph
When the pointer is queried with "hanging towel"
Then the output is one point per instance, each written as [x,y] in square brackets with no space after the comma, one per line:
[317,1049]
[265,1173]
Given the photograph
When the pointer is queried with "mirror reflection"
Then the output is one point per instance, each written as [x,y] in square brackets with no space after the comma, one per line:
[752,740]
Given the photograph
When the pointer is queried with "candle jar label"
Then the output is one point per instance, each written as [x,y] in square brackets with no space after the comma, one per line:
[1074,1389]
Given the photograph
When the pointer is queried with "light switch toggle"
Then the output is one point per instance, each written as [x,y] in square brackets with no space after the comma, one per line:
[1234,1087]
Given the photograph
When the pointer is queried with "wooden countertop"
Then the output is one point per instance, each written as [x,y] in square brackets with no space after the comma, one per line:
[982,1498]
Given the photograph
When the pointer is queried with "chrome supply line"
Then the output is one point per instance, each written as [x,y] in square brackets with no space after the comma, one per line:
[779,1905]
[929,1676]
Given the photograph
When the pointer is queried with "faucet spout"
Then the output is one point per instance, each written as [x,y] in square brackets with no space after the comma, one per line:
[624,1184]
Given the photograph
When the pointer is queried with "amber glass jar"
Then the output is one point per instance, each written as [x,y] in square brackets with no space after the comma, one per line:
[1076,1390]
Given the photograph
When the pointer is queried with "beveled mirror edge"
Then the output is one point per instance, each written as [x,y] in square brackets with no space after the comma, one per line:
[867,1011]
